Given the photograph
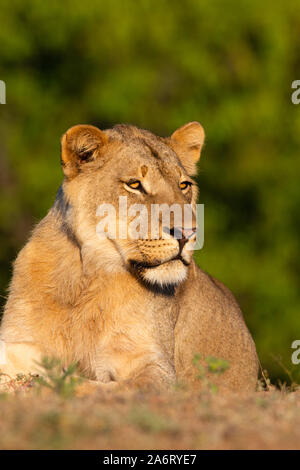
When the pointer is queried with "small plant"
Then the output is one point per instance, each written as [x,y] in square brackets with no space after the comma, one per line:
[294,381]
[21,383]
[56,378]
[216,366]
[264,382]
[213,365]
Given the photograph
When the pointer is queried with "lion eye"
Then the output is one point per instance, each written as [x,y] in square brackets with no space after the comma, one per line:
[185,185]
[134,184]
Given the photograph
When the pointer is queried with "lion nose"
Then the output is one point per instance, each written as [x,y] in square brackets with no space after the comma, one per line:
[183,234]
[189,232]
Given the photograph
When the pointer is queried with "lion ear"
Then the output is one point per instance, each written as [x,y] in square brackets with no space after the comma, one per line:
[187,141]
[79,145]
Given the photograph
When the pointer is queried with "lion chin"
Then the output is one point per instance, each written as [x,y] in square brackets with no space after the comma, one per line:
[170,273]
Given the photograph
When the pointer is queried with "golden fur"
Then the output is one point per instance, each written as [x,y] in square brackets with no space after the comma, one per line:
[128,311]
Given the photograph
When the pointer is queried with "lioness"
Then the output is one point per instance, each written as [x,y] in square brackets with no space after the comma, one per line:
[132,311]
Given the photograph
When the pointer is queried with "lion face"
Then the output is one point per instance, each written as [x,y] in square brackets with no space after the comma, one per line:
[131,199]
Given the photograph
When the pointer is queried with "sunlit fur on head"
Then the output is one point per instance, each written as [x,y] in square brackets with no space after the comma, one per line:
[107,160]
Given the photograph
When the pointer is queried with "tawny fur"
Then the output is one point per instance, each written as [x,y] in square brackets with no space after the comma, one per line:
[81,299]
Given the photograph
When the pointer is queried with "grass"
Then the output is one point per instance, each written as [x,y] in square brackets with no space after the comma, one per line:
[145,420]
[62,381]
[47,414]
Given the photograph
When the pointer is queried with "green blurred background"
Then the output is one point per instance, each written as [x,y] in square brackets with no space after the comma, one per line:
[159,64]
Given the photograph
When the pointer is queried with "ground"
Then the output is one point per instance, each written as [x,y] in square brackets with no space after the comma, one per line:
[49,416]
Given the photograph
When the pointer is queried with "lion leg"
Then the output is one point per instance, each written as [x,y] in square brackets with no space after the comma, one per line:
[91,387]
[143,381]
[152,377]
[18,358]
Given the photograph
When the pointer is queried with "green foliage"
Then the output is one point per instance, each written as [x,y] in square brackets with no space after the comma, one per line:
[59,380]
[159,65]
[216,366]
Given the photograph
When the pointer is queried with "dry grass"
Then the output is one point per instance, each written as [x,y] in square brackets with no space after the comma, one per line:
[147,420]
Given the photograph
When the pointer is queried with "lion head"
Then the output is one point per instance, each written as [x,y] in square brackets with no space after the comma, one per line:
[129,164]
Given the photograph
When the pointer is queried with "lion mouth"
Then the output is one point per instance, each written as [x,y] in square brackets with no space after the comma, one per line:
[139,265]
